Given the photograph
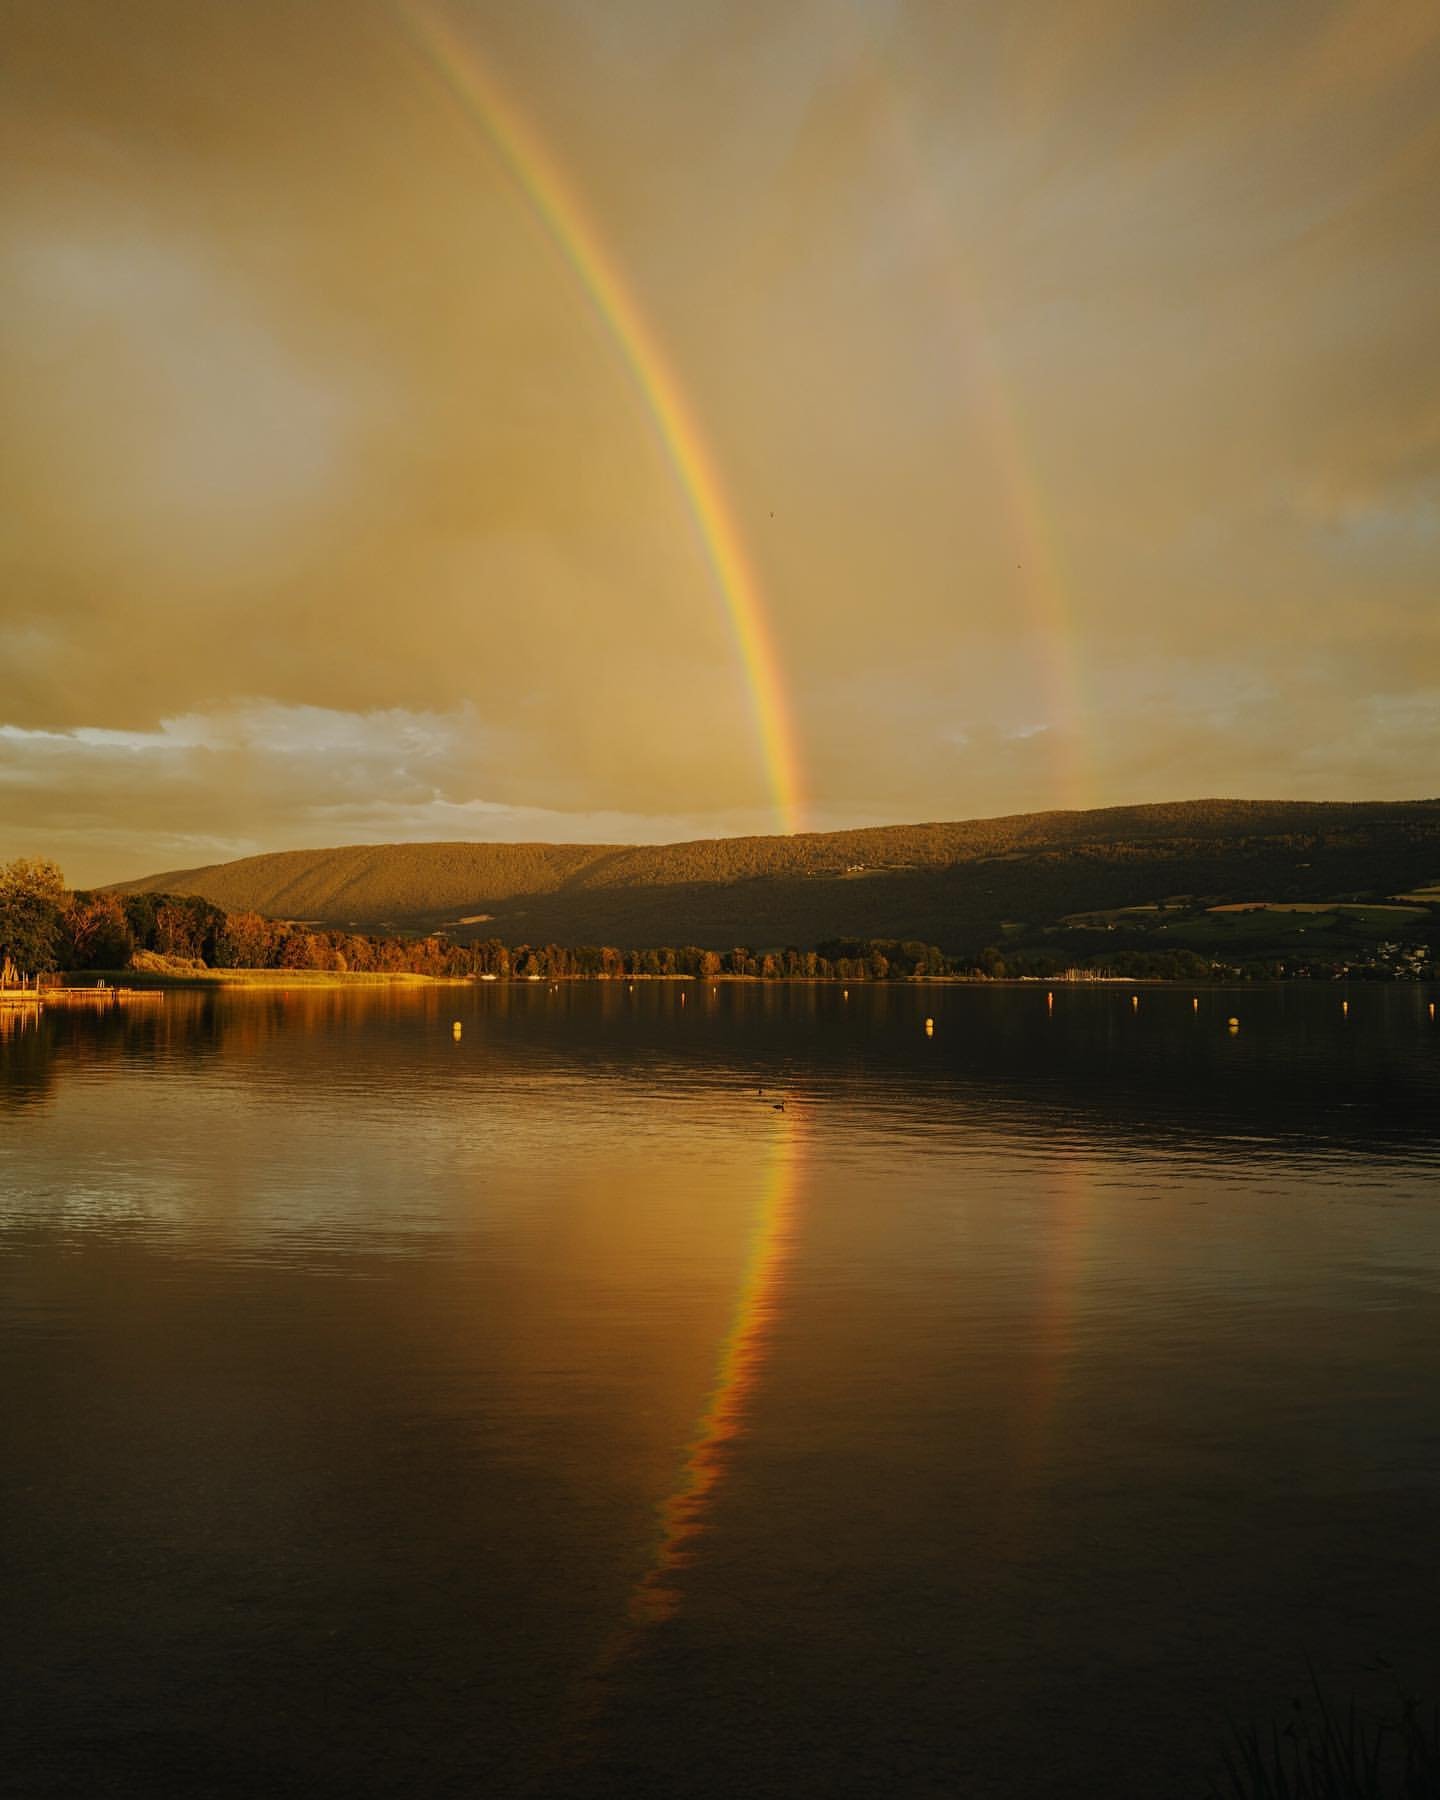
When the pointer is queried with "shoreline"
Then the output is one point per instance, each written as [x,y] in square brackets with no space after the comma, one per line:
[321,979]
[253,978]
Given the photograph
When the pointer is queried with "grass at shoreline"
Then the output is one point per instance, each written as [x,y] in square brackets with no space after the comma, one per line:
[1326,1751]
[256,978]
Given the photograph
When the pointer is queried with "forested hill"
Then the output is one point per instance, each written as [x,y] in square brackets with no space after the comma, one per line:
[957,885]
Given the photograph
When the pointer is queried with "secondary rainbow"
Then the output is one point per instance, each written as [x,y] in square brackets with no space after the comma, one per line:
[1041,588]
[555,204]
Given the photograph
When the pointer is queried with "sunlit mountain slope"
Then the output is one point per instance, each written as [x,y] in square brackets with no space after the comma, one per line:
[955,884]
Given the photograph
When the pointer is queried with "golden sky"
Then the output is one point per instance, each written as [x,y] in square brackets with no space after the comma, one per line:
[1070,370]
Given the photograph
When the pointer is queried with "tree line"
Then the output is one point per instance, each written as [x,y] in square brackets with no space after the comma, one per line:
[44,927]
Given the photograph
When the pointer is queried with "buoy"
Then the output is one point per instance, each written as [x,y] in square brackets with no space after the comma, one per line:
[1050,1001]
[1195,1004]
[844,993]
[929,1028]
[1432,1009]
[456,1029]
[1344,1009]
[682,999]
[1233,1023]
[1134,1003]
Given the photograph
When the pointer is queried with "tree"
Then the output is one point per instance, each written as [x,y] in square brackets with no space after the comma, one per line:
[301,949]
[95,933]
[359,953]
[247,942]
[175,931]
[32,898]
[140,916]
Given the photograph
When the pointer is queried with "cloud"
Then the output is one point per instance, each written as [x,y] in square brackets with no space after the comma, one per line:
[1063,367]
[202,788]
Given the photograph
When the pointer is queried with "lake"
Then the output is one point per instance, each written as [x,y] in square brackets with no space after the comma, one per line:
[707,1392]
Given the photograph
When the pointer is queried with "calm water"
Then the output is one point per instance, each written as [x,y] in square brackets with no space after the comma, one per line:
[545,1412]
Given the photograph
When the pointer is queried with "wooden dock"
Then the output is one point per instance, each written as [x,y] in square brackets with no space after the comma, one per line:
[90,999]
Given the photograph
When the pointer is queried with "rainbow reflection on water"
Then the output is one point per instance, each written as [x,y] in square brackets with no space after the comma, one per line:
[742,1361]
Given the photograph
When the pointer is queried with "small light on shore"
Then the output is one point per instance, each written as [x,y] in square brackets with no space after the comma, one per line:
[844,993]
[1050,1002]
[456,1030]
[1134,1003]
[1344,1009]
[929,1028]
[1195,1003]
[1233,1023]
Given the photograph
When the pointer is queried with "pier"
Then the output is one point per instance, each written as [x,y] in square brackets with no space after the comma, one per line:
[35,996]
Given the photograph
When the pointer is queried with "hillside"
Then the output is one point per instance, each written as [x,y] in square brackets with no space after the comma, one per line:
[959,885]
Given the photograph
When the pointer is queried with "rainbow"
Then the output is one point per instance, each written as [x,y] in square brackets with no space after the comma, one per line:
[1043,588]
[540,179]
[1064,1244]
[656,1595]
[1041,582]
[742,1359]
[1046,599]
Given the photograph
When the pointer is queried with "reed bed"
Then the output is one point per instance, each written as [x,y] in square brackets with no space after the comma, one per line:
[1325,1752]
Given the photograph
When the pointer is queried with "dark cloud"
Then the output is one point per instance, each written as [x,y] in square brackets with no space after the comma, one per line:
[1069,367]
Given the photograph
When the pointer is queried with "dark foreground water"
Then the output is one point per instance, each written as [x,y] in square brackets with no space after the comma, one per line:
[544,1412]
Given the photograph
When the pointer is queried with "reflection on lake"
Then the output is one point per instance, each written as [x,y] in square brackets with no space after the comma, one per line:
[551,1410]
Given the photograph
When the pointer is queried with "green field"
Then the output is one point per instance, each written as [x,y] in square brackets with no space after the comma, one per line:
[1378,913]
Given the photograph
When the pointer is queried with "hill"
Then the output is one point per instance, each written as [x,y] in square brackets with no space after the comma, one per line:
[960,885]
